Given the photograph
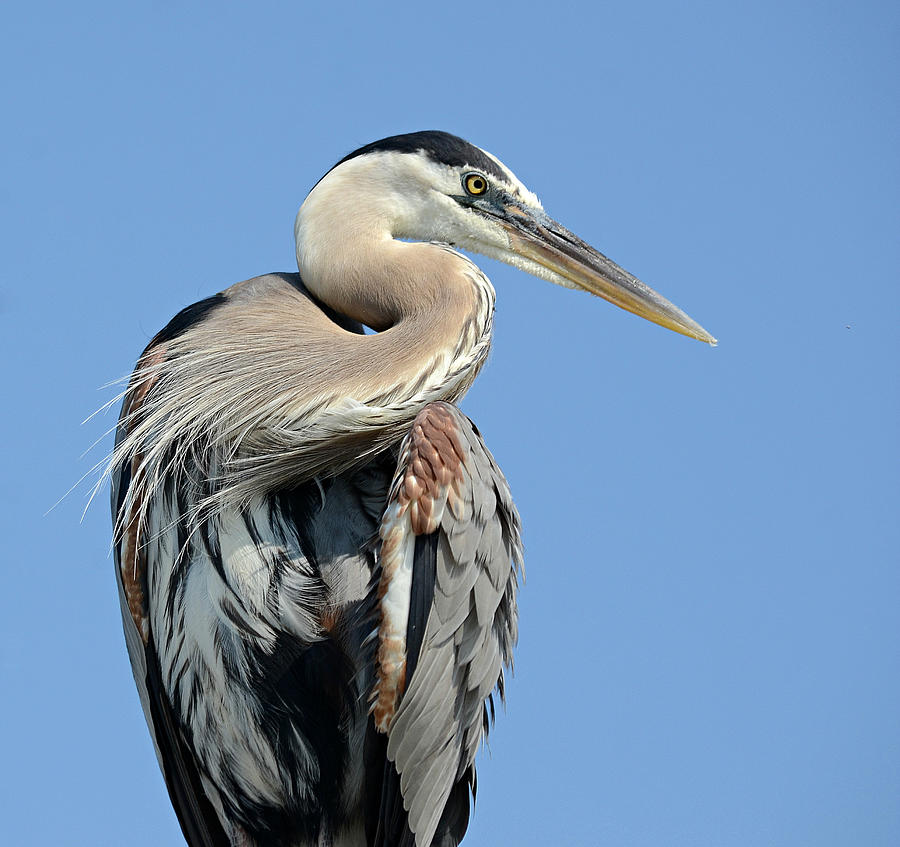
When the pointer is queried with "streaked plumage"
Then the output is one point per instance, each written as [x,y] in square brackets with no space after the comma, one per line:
[317,555]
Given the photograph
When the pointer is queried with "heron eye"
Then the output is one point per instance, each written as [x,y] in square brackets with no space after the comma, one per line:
[475,184]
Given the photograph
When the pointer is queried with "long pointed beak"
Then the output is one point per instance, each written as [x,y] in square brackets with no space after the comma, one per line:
[571,262]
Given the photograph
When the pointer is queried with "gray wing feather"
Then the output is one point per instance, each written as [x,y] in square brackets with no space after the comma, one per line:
[470,634]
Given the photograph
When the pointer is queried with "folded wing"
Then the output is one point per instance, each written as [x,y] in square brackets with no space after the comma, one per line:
[447,597]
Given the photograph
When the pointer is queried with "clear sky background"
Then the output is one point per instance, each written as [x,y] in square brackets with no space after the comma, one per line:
[710,646]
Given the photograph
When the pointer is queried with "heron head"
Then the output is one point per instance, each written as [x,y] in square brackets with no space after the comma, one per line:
[433,186]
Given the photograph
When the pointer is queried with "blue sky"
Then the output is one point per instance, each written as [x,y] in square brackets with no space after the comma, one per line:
[709,628]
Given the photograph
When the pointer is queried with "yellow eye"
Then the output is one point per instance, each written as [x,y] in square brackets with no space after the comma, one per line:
[475,184]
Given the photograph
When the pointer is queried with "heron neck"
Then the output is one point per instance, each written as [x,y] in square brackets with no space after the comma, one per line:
[431,307]
[442,319]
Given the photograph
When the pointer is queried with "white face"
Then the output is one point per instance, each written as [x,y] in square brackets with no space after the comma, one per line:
[433,213]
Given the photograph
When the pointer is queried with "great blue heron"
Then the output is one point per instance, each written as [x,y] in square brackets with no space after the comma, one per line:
[316,554]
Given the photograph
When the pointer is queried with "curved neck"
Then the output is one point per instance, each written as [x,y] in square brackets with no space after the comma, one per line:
[431,307]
